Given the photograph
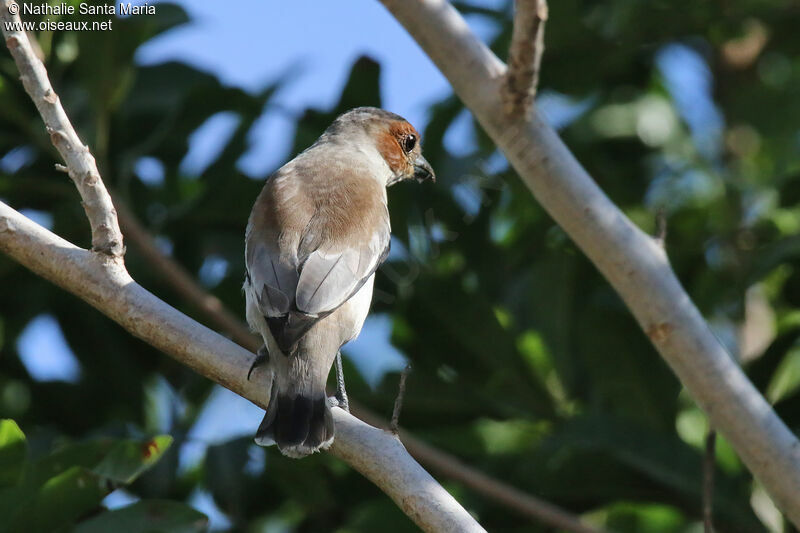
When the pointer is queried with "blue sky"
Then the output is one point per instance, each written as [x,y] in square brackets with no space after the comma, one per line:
[251,43]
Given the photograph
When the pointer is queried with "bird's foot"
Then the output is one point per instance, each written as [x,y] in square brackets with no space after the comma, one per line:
[262,356]
[341,400]
[341,393]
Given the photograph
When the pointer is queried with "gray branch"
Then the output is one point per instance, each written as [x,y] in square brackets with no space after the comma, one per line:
[634,264]
[106,236]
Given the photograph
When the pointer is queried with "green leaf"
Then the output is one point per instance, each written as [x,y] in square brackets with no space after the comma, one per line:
[13,451]
[65,485]
[58,502]
[83,454]
[147,517]
[128,459]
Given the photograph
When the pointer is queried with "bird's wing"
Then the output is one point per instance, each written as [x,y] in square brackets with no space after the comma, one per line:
[305,258]
[334,272]
[276,225]
[271,276]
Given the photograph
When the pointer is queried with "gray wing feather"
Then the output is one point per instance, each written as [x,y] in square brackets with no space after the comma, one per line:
[330,277]
[274,279]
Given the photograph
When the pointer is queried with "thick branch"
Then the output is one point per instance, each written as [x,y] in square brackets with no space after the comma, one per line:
[106,236]
[525,55]
[632,262]
[377,454]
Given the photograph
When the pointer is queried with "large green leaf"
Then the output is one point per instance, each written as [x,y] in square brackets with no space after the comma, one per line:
[126,460]
[61,487]
[59,501]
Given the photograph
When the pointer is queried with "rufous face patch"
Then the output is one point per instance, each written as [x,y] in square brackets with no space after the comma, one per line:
[390,145]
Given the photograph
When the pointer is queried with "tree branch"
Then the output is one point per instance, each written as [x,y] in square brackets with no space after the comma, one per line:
[632,261]
[394,424]
[525,55]
[105,285]
[106,236]
[451,467]
[661,228]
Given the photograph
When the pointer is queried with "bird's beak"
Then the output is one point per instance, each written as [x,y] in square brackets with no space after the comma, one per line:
[423,170]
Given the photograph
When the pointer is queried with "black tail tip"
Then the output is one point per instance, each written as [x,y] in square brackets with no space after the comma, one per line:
[299,425]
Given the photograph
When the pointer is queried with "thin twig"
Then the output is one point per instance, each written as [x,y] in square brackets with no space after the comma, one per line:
[525,55]
[709,463]
[106,235]
[394,425]
[489,487]
[661,227]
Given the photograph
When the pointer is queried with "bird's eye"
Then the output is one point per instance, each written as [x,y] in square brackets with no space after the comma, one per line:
[409,142]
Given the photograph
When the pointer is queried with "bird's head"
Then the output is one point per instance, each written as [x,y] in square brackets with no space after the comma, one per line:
[396,141]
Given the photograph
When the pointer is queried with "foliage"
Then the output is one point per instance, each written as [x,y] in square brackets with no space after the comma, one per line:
[526,363]
[50,491]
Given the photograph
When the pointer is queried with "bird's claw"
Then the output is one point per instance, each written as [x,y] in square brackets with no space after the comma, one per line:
[262,356]
[341,401]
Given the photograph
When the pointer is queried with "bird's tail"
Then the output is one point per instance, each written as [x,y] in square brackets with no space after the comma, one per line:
[299,423]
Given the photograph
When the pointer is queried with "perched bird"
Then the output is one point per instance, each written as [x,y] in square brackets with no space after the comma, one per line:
[317,234]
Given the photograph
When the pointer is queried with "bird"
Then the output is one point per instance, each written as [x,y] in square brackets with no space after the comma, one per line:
[317,233]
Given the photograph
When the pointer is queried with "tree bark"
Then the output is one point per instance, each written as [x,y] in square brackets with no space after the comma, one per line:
[525,55]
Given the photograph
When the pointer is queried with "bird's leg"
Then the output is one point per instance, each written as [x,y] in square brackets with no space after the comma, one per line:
[341,394]
[262,356]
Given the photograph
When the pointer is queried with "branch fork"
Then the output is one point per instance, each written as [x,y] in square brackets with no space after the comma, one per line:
[524,56]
